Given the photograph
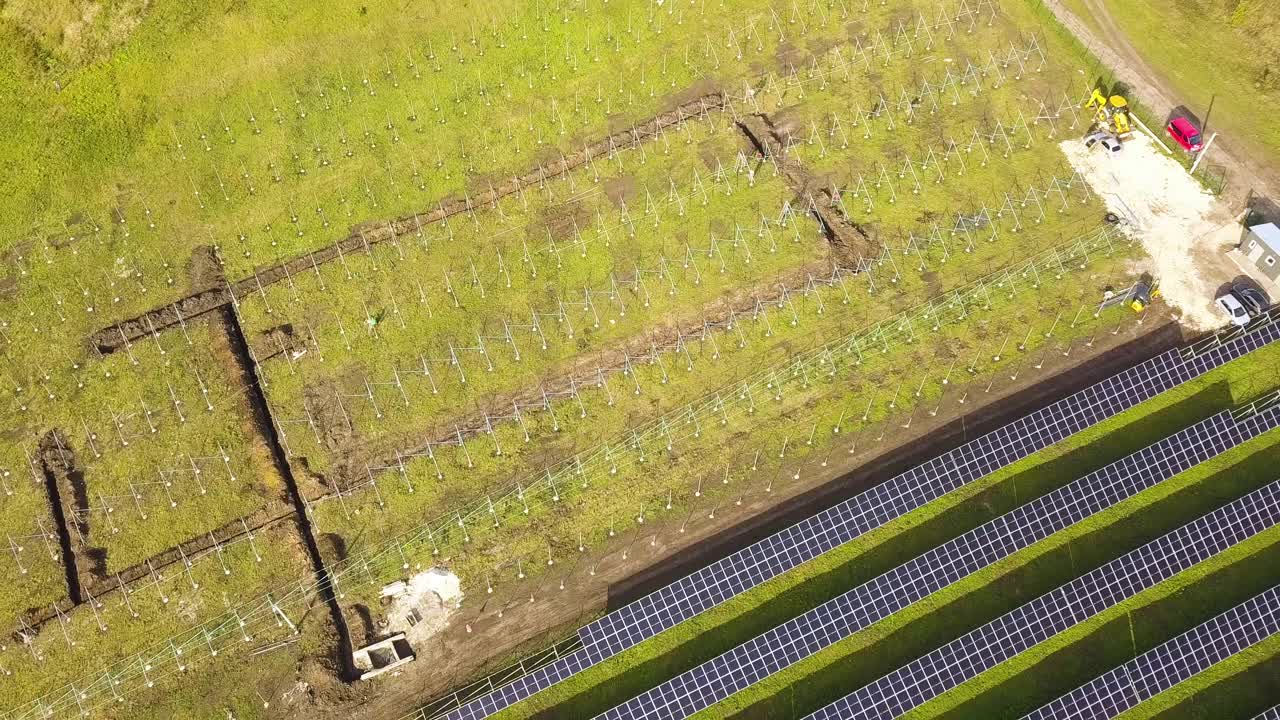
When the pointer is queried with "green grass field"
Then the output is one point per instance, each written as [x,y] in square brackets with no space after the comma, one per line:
[519,450]
[641,478]
[523,390]
[109,184]
[33,563]
[127,632]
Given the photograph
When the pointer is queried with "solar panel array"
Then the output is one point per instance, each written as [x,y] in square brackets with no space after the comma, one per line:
[835,526]
[931,675]
[526,686]
[747,568]
[916,579]
[1269,714]
[1159,669]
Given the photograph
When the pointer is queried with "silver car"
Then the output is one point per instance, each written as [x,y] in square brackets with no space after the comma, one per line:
[1254,301]
[1110,142]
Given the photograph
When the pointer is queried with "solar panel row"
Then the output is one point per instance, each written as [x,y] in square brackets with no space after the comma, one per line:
[916,579]
[893,498]
[522,688]
[830,528]
[1269,714]
[1160,668]
[965,658]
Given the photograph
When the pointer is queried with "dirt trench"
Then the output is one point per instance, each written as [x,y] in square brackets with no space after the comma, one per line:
[353,453]
[301,513]
[100,587]
[69,508]
[122,334]
[87,575]
[849,241]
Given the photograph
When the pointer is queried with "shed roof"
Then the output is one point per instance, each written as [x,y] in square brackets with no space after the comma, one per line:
[1269,234]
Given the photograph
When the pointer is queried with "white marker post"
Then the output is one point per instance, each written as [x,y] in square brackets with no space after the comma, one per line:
[1203,151]
[1150,134]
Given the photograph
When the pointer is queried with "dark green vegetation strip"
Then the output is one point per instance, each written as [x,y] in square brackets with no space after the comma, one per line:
[741,619]
[1238,688]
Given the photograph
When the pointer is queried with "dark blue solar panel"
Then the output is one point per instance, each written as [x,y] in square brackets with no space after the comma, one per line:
[1159,669]
[830,528]
[796,639]
[521,688]
[960,660]
[806,540]
[1269,714]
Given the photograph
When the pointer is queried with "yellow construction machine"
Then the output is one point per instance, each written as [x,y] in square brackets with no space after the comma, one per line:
[1111,114]
[1142,294]
[1136,298]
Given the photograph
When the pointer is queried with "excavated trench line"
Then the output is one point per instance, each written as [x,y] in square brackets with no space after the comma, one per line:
[262,416]
[189,550]
[846,237]
[180,311]
[58,469]
[609,360]
[54,474]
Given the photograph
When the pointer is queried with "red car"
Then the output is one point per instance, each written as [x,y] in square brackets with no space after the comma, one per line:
[1185,134]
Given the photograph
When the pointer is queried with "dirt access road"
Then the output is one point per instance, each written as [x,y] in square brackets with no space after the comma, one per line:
[1115,51]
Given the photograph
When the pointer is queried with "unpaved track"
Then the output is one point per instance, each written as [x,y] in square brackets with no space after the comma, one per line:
[1115,51]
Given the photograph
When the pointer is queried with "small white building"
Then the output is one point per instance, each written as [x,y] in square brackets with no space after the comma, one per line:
[1260,245]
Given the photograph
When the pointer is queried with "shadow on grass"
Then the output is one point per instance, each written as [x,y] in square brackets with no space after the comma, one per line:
[999,499]
[1120,640]
[1239,697]
[1109,646]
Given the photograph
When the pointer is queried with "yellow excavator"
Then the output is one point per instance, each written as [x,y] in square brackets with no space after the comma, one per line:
[1110,113]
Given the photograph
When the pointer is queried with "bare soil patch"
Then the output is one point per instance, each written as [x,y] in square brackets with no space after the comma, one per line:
[421,606]
[1176,220]
[620,190]
[850,243]
[204,270]
[559,222]
[77,30]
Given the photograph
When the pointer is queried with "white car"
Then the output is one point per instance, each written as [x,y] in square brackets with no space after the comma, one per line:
[1234,309]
